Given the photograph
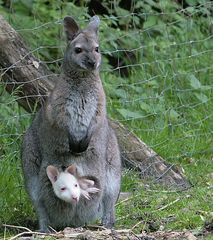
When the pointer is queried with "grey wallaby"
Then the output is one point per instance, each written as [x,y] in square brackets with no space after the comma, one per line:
[72,128]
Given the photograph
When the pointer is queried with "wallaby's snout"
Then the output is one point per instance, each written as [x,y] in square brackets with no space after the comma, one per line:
[91,63]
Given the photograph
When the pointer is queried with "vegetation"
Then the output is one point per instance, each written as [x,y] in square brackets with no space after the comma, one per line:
[157,73]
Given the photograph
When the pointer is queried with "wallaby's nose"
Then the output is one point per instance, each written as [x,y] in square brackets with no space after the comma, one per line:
[75,199]
[91,63]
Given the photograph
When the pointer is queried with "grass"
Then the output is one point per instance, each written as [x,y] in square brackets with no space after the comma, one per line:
[168,209]
[172,115]
[167,102]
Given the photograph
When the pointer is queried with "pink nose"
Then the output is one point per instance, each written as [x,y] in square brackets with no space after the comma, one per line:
[75,199]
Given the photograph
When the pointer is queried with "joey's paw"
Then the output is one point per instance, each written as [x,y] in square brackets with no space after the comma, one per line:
[93,190]
[85,194]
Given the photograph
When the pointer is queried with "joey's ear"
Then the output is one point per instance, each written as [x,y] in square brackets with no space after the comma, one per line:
[85,183]
[70,28]
[94,24]
[52,173]
[72,170]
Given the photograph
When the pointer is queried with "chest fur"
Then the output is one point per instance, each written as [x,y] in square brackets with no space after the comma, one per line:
[81,108]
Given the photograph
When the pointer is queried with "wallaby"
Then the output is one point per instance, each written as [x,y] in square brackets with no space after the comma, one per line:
[72,128]
[69,186]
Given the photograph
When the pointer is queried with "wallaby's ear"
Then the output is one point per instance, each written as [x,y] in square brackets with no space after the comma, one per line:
[70,28]
[52,173]
[94,24]
[72,170]
[85,183]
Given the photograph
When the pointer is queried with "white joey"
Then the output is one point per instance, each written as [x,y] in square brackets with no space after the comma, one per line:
[68,186]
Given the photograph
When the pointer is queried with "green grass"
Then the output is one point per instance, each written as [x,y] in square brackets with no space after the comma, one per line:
[173,114]
[166,101]
[168,209]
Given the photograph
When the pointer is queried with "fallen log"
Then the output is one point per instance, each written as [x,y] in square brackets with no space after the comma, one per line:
[31,80]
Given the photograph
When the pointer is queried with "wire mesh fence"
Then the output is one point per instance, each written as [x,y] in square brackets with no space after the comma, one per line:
[156,71]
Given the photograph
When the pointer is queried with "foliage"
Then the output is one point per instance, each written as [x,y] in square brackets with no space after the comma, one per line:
[157,69]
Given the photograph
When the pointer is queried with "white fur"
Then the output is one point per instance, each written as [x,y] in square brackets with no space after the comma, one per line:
[69,188]
[66,188]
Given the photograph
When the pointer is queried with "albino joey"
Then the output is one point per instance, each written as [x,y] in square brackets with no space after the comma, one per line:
[69,186]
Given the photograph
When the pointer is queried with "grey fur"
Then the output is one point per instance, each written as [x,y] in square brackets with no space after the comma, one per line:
[72,128]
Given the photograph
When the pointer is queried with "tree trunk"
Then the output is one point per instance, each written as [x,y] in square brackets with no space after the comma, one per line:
[31,81]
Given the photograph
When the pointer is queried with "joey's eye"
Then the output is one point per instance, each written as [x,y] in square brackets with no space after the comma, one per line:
[97,49]
[76,185]
[78,50]
[63,189]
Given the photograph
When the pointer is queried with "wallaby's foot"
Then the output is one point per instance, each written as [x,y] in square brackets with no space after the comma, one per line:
[45,230]
[108,225]
[43,227]
[108,221]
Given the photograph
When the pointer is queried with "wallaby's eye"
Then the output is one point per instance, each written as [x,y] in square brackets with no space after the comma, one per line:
[78,50]
[63,189]
[76,185]
[97,49]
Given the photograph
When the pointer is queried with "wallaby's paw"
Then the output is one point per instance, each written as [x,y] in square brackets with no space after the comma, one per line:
[85,194]
[93,190]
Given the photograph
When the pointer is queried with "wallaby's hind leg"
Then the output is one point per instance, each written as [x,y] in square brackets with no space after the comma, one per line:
[34,192]
[112,184]
[108,219]
[31,163]
[33,187]
[43,218]
[110,198]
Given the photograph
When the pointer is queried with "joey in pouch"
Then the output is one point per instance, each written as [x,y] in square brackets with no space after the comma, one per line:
[68,186]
